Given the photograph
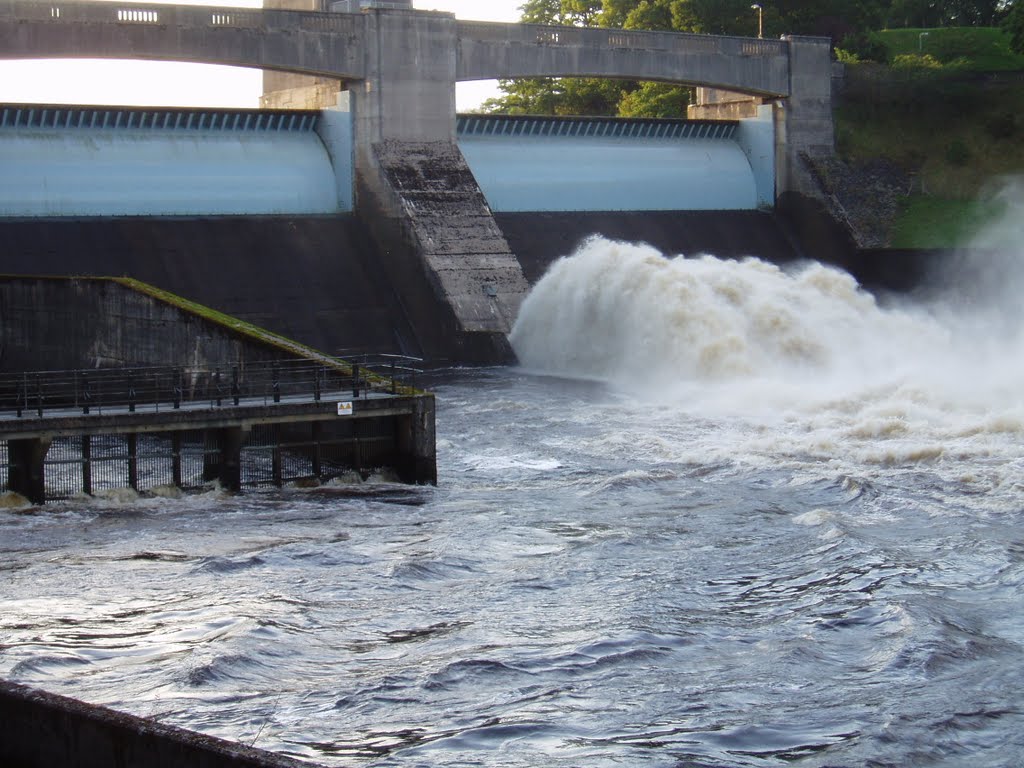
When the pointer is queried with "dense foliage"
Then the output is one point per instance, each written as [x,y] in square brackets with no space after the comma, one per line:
[847,22]
[1014,24]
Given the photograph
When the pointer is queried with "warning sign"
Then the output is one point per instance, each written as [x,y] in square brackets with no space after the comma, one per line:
[345,409]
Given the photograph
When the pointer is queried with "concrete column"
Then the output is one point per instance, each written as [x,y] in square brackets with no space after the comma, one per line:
[409,90]
[416,442]
[225,463]
[803,121]
[133,461]
[87,464]
[26,474]
[176,459]
[446,257]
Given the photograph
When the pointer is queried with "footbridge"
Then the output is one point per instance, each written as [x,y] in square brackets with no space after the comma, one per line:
[393,152]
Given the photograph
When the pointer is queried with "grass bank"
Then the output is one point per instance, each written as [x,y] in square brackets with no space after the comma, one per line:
[948,111]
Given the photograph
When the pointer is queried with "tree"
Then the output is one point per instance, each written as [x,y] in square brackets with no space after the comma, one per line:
[838,19]
[1014,24]
[714,17]
[947,13]
[655,100]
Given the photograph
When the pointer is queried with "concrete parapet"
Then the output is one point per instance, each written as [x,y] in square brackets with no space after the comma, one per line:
[43,730]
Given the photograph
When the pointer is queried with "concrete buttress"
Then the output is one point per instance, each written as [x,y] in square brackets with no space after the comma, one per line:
[452,268]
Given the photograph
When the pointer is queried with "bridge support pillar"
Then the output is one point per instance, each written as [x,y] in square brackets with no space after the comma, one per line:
[26,474]
[416,442]
[803,121]
[222,459]
[445,255]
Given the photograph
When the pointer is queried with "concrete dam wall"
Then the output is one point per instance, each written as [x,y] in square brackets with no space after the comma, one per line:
[313,279]
[320,280]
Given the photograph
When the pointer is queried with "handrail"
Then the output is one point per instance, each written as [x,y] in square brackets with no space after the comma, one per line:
[30,394]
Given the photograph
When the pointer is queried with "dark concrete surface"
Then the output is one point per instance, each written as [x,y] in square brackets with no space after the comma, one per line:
[43,730]
[313,279]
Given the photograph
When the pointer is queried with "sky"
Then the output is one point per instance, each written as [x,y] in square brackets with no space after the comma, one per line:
[147,83]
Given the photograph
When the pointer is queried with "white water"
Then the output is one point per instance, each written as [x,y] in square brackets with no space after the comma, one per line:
[801,363]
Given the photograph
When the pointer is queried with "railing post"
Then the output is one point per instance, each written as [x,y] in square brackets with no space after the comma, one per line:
[39,396]
[394,388]
[234,384]
[131,393]
[177,387]
[86,394]
[23,394]
[316,382]
[216,386]
[355,380]
[275,382]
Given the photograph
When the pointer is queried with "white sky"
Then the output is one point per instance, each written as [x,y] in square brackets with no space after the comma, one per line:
[148,83]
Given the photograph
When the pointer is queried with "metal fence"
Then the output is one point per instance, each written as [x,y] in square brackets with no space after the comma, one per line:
[34,393]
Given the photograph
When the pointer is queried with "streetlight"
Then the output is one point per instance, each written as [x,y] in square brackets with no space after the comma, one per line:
[920,41]
[760,19]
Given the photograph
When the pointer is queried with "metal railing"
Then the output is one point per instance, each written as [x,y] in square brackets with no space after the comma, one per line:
[33,394]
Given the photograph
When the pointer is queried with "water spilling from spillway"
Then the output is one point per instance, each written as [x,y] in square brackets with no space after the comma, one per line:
[725,515]
[802,355]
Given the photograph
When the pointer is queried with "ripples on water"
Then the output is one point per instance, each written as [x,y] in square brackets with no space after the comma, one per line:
[600,579]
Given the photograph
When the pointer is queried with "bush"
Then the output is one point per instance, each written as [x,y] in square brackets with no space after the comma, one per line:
[861,47]
[916,61]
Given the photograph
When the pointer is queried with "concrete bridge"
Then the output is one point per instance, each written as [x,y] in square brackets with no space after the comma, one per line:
[402,64]
[411,184]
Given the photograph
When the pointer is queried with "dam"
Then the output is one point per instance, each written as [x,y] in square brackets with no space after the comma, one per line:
[376,223]
[253,212]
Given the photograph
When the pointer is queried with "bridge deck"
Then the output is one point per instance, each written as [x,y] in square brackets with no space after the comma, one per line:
[141,430]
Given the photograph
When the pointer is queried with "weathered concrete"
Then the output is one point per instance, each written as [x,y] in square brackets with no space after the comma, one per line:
[317,280]
[288,90]
[43,730]
[83,323]
[408,88]
[433,227]
[803,122]
[492,50]
[716,104]
[325,44]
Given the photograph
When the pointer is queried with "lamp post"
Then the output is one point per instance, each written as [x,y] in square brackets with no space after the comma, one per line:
[760,19]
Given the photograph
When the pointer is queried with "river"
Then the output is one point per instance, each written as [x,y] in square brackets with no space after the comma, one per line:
[723,515]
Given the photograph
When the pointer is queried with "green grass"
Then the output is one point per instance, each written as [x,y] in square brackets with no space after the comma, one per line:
[953,133]
[934,222]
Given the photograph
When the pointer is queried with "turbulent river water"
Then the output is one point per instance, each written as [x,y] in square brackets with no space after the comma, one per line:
[723,515]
